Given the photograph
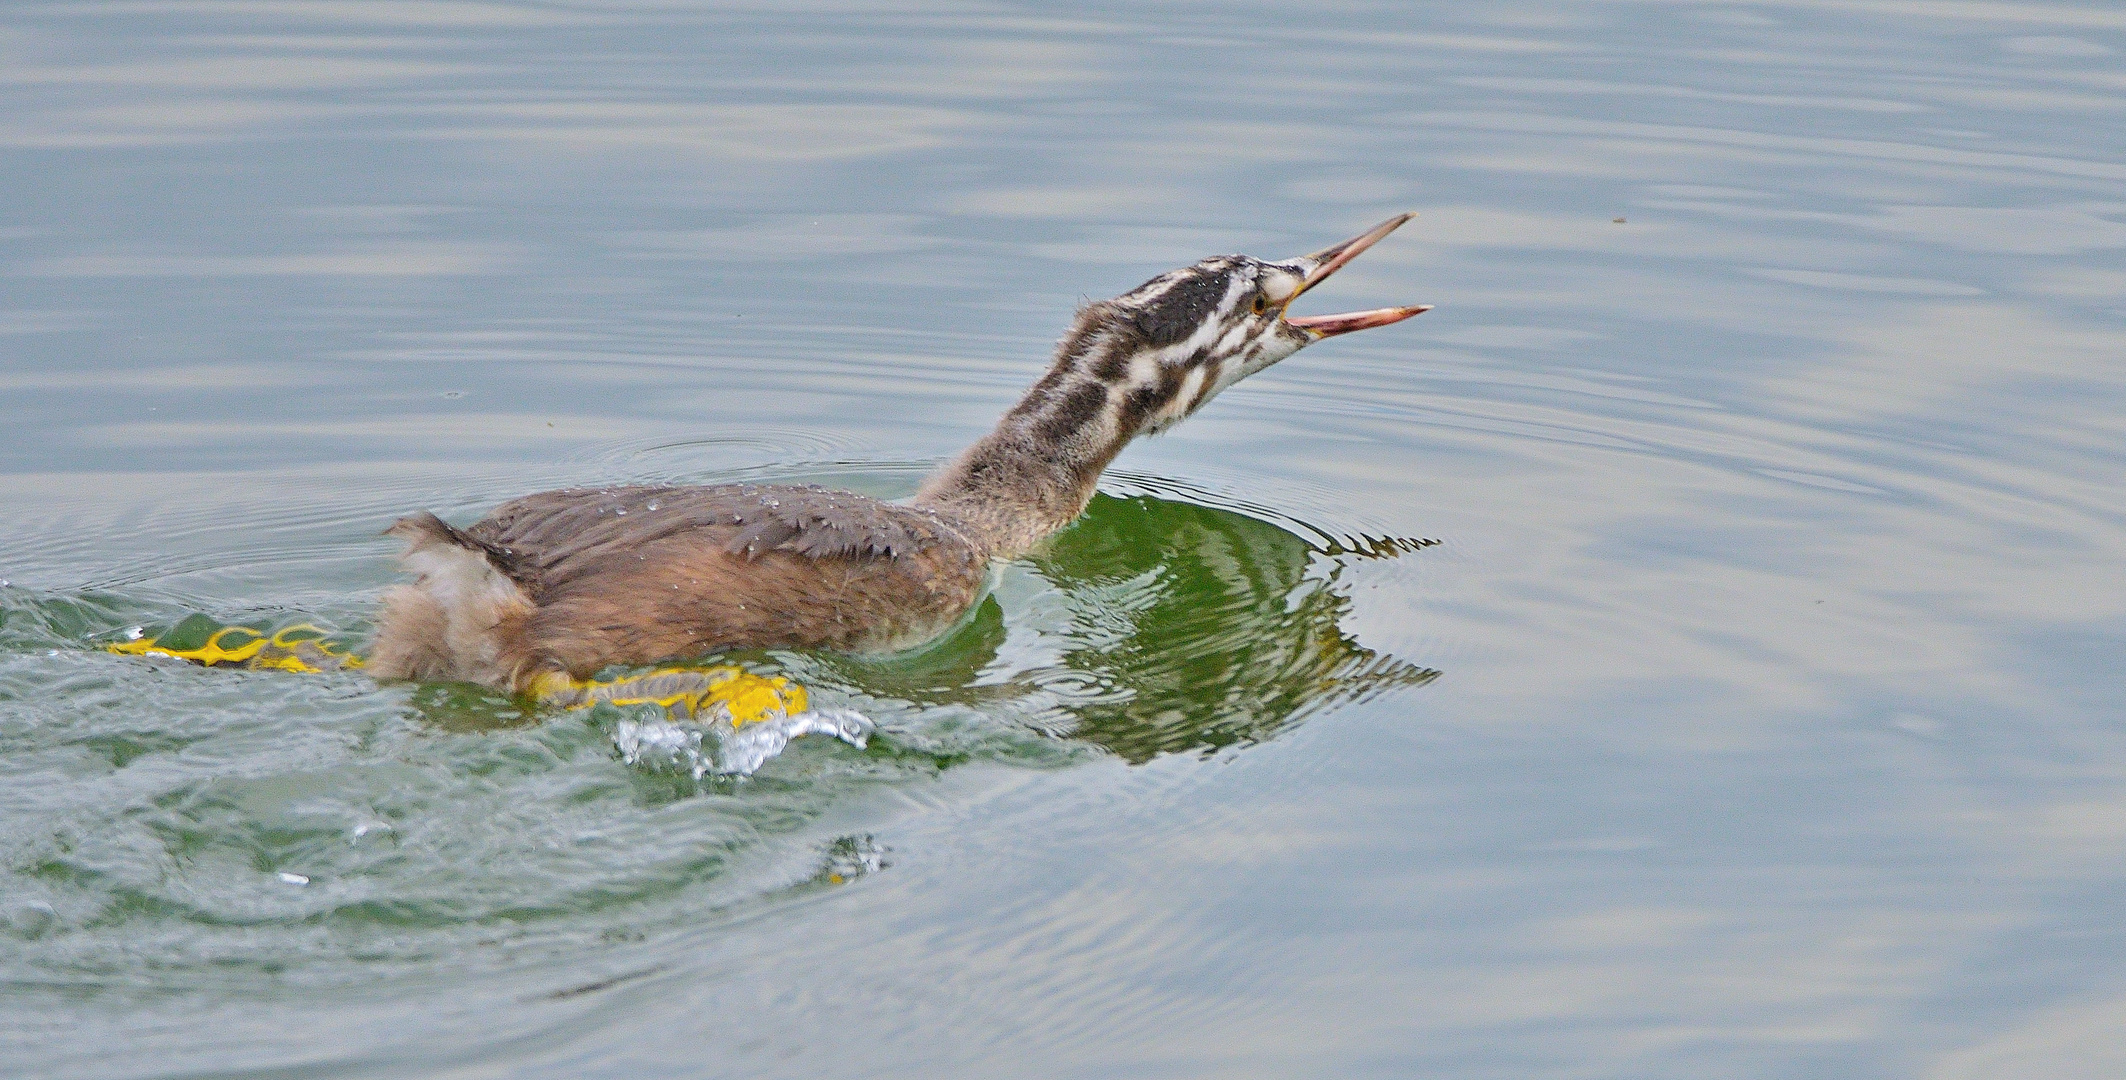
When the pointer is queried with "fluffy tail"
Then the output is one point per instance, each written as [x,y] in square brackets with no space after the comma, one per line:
[459,618]
[426,532]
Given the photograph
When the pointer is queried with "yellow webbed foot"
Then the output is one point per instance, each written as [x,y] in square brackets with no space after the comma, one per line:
[703,694]
[203,641]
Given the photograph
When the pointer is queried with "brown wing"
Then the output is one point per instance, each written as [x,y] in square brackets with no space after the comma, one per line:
[640,574]
[555,538]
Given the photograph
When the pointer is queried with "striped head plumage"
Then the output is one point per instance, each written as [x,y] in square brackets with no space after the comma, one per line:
[1143,361]
[1135,365]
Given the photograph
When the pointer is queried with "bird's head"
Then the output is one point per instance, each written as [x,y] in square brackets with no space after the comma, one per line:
[1155,354]
[1134,365]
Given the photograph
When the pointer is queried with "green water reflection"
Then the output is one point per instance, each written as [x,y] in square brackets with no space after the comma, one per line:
[1233,632]
[1164,627]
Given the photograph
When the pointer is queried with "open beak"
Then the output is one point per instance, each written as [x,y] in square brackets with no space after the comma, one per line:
[1331,259]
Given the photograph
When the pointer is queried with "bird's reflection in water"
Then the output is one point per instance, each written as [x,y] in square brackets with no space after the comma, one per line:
[1164,627]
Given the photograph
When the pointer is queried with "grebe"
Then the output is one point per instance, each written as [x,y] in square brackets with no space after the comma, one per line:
[555,586]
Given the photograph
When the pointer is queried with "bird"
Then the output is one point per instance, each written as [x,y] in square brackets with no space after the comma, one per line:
[551,588]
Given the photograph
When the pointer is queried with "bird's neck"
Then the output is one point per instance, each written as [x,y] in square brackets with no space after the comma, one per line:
[1014,487]
[1037,470]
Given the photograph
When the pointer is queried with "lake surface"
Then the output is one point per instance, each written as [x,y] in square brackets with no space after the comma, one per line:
[1692,650]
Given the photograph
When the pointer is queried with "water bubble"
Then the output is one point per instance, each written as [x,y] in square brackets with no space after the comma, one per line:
[30,919]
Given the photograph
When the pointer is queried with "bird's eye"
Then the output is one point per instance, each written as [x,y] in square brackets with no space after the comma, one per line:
[1261,305]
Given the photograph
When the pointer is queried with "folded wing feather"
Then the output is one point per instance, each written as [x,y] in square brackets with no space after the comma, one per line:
[551,537]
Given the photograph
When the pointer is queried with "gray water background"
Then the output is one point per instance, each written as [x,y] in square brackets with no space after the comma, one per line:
[1777,606]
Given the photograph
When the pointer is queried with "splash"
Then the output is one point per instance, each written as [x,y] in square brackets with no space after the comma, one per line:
[735,750]
[752,717]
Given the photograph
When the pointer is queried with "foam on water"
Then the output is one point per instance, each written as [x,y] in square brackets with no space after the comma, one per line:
[730,751]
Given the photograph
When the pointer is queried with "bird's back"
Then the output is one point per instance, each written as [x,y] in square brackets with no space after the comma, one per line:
[644,573]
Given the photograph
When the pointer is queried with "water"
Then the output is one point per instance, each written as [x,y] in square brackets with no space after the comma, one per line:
[1755,711]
